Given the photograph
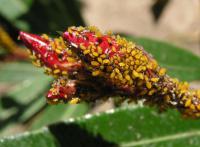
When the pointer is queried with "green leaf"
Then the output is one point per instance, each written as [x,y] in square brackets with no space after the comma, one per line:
[26,98]
[179,62]
[29,82]
[40,138]
[131,126]
[58,113]
[18,72]
[33,109]
[11,9]
[23,98]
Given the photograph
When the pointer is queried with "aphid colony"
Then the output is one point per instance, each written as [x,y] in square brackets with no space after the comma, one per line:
[89,65]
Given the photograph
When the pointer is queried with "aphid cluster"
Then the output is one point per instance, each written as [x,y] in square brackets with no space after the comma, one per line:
[90,65]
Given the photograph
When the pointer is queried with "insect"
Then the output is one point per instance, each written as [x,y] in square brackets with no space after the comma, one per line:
[89,65]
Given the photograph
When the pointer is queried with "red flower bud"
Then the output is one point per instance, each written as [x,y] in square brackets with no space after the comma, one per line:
[45,54]
[105,65]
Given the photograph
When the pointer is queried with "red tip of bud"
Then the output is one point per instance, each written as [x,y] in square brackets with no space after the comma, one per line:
[42,50]
[32,41]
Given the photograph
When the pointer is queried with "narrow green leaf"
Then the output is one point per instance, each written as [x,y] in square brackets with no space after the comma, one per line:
[32,109]
[58,113]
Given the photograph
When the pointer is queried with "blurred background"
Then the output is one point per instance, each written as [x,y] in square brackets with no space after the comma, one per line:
[22,86]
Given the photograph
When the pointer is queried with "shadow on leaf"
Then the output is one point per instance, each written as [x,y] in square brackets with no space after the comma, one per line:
[76,136]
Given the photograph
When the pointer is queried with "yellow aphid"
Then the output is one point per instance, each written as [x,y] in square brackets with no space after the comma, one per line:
[154,79]
[113,49]
[192,106]
[82,47]
[48,69]
[101,67]
[132,62]
[143,58]
[128,50]
[154,64]
[52,44]
[62,82]
[103,56]
[99,60]
[188,102]
[151,92]
[56,71]
[70,30]
[95,63]
[162,72]
[133,53]
[33,57]
[140,68]
[112,75]
[109,32]
[137,56]
[175,80]
[137,62]
[69,52]
[149,66]
[198,93]
[141,76]
[64,72]
[127,77]
[106,61]
[135,74]
[70,59]
[95,54]
[148,84]
[80,28]
[85,52]
[121,64]
[198,107]
[146,77]
[58,51]
[123,49]
[74,101]
[99,50]
[117,70]
[96,72]
[45,36]
[36,63]
[120,77]
[126,72]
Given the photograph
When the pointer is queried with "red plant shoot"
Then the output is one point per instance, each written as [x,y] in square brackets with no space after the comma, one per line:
[89,65]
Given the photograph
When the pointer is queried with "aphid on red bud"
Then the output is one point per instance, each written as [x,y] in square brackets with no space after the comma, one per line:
[91,65]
